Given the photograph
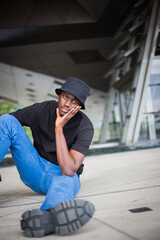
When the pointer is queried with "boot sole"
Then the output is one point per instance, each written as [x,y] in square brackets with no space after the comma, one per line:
[65,218]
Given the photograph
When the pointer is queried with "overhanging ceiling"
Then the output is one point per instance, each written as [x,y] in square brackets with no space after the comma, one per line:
[61,38]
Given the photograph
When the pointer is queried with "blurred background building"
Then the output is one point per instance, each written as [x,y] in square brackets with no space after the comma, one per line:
[113,45]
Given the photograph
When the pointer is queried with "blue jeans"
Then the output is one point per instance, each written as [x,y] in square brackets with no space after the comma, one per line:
[36,172]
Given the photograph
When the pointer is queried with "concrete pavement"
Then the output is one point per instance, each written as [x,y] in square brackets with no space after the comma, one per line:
[115,183]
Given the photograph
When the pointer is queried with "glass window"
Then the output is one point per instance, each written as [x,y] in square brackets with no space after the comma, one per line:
[155,71]
[153,101]
[150,126]
[114,131]
[144,132]
[157,52]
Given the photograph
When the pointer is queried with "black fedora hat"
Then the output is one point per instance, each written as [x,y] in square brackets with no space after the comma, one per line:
[75,87]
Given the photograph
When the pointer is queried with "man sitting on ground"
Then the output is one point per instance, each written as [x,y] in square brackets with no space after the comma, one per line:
[62,135]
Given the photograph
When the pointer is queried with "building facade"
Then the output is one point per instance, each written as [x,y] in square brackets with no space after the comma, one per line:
[134,96]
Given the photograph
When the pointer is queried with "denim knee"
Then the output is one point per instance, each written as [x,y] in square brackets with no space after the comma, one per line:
[5,134]
[7,119]
[6,116]
[7,123]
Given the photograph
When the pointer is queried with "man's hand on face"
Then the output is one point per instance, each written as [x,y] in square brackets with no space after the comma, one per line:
[62,120]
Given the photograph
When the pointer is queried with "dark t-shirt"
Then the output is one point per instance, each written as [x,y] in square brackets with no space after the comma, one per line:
[40,117]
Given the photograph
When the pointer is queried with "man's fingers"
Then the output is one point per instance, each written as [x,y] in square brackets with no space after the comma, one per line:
[72,112]
[63,120]
[57,111]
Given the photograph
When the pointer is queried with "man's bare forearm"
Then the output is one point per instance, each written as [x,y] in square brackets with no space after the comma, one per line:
[65,160]
[69,161]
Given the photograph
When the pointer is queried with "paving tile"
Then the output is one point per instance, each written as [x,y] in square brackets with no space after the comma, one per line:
[113,210]
[115,183]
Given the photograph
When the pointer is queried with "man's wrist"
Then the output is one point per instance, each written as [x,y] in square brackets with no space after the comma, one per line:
[59,129]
